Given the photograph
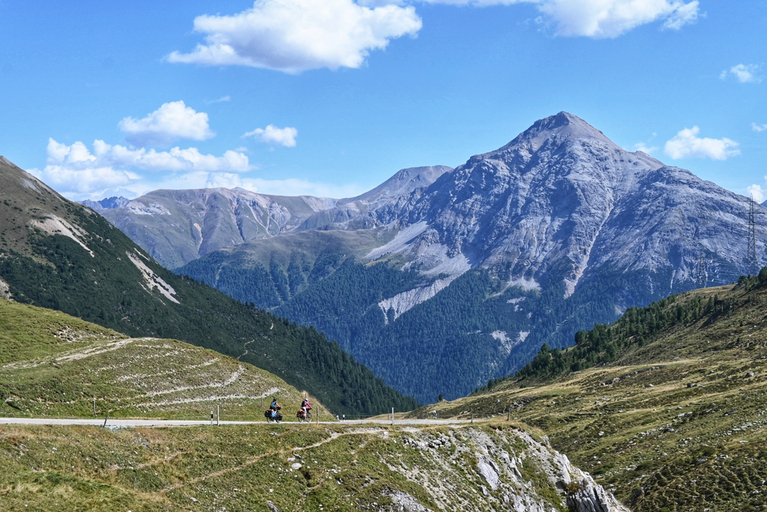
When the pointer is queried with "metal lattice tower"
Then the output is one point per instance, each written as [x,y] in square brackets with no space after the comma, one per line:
[751,256]
[702,277]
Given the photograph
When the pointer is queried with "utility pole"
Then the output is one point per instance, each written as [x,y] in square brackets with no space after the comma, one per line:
[751,256]
[702,278]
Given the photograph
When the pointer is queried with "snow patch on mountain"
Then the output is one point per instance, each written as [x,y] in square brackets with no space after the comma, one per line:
[152,280]
[57,226]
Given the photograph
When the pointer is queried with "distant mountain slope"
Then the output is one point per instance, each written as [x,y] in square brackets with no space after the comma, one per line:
[554,232]
[367,210]
[178,226]
[108,203]
[53,364]
[666,406]
[61,255]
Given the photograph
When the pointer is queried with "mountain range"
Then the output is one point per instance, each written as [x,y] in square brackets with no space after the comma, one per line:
[61,255]
[441,279]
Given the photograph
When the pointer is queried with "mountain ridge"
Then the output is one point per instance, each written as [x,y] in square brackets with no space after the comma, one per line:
[553,232]
[61,255]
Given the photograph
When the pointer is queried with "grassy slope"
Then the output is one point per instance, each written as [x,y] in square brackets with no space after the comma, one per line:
[247,467]
[676,424]
[52,364]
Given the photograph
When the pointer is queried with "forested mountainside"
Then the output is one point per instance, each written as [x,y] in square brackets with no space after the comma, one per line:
[61,255]
[465,279]
[665,407]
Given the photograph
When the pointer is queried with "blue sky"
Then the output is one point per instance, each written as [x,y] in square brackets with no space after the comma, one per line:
[332,97]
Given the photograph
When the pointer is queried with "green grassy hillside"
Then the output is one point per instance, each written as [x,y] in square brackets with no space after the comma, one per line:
[286,467]
[55,365]
[61,255]
[670,413]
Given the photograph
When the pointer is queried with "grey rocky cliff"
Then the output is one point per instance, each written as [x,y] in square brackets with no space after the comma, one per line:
[511,471]
[178,226]
[561,202]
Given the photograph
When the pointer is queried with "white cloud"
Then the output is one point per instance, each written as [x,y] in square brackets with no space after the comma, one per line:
[172,121]
[687,144]
[757,192]
[88,183]
[743,73]
[759,127]
[79,173]
[78,157]
[297,35]
[275,136]
[222,99]
[601,18]
[645,148]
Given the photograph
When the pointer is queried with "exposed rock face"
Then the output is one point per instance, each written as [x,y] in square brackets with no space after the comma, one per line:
[109,203]
[178,226]
[5,291]
[379,206]
[514,472]
[562,202]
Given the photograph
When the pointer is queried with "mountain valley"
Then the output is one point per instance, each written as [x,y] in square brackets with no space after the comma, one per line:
[442,279]
[61,255]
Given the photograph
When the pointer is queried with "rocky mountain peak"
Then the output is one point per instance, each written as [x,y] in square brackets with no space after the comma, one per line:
[402,183]
[561,126]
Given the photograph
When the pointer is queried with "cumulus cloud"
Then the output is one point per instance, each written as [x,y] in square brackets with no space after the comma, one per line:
[743,73]
[757,192]
[80,173]
[758,127]
[77,157]
[171,122]
[275,136]
[601,18]
[687,144]
[297,35]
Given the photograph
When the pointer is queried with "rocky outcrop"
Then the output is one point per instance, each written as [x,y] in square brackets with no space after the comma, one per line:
[494,469]
[5,291]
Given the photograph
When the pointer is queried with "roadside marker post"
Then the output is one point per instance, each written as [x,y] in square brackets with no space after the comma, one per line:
[218,414]
[211,417]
